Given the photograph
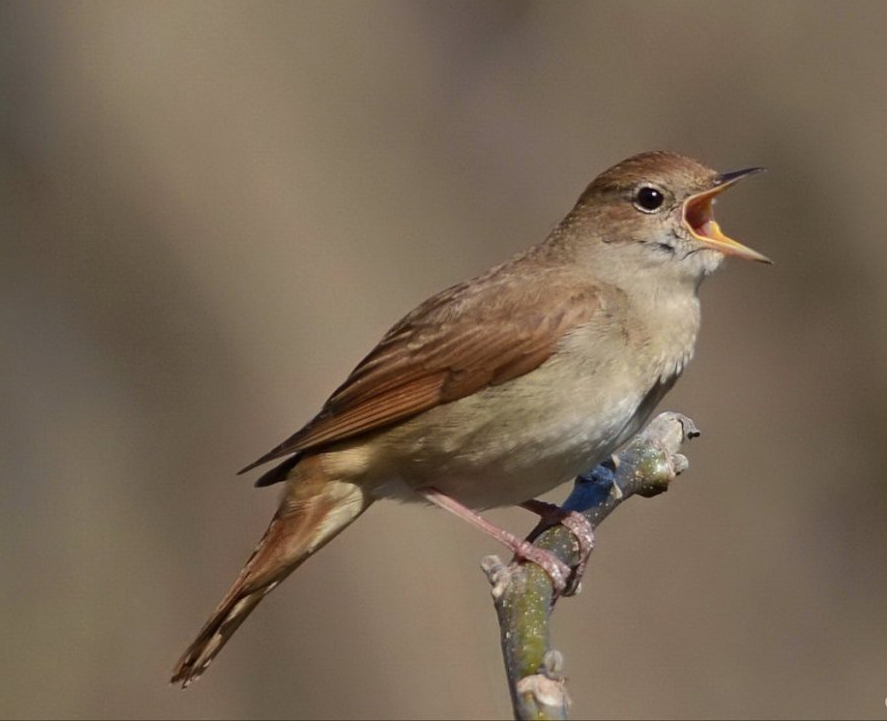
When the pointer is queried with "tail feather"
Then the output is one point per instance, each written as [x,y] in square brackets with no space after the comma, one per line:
[314,510]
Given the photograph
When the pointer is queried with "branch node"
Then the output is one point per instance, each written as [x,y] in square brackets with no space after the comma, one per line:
[680,462]
[549,695]
[553,663]
[498,574]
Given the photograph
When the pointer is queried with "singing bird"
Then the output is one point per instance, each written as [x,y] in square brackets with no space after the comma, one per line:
[502,387]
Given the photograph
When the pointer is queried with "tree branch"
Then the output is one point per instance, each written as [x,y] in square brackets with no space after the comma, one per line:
[523,592]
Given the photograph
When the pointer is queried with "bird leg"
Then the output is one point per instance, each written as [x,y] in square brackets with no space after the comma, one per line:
[551,515]
[558,571]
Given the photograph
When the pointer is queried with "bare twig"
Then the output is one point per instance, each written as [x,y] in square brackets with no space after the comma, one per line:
[522,591]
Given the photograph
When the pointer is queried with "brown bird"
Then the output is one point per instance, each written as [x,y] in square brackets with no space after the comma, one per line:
[500,388]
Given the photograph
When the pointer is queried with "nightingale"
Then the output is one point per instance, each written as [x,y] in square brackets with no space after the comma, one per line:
[502,387]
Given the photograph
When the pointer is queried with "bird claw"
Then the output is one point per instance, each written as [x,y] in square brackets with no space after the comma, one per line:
[565,579]
[583,535]
[558,571]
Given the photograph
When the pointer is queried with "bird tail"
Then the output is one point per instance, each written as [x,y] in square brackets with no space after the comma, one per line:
[313,511]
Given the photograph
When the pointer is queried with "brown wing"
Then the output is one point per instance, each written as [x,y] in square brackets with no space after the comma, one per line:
[473,335]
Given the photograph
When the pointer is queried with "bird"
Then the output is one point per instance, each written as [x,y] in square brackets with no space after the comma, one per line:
[500,388]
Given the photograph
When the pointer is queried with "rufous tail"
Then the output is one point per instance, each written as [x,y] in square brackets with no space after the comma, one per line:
[313,511]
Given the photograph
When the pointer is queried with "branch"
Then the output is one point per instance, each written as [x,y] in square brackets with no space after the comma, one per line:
[522,591]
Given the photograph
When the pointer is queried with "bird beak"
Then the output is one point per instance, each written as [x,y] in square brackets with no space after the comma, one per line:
[699,218]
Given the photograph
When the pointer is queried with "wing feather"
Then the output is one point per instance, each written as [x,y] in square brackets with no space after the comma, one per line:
[458,342]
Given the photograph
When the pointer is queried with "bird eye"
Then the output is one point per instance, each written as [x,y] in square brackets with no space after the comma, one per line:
[648,199]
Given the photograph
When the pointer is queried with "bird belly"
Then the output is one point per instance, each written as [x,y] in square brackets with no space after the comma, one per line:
[491,469]
[509,443]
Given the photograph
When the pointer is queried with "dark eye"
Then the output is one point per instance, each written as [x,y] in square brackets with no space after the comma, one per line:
[648,199]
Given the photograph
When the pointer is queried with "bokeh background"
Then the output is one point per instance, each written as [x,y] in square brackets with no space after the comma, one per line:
[210,211]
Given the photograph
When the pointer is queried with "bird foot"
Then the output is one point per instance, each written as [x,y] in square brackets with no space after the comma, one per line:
[578,525]
[563,578]
[558,571]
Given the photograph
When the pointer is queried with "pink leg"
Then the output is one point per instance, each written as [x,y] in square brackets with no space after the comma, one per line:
[576,523]
[554,567]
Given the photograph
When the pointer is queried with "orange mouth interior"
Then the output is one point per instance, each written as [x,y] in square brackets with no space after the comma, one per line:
[699,217]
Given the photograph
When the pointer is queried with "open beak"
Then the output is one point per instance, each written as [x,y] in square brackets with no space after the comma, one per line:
[699,218]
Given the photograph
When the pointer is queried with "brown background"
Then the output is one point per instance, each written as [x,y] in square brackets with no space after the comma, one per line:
[211,211]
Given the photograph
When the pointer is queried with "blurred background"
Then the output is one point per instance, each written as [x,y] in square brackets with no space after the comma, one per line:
[209,212]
